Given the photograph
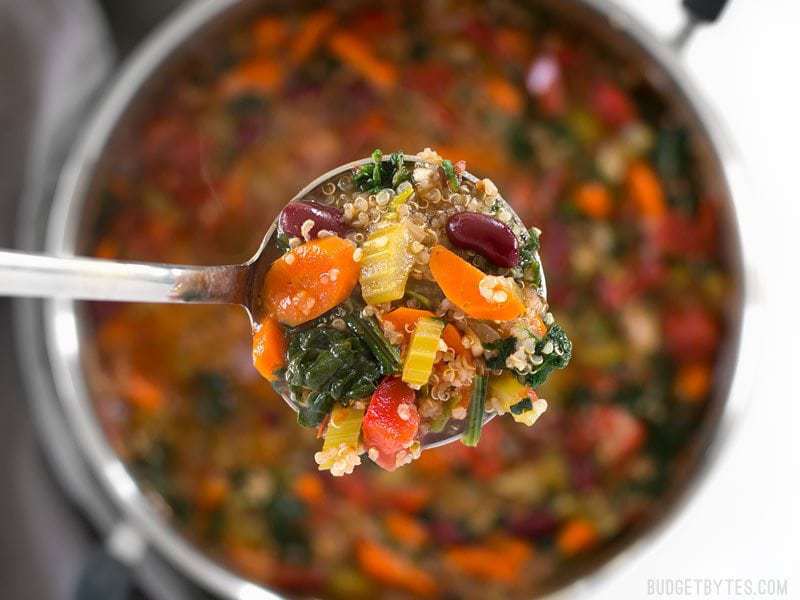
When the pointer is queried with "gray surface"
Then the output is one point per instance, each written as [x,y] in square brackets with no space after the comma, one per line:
[53,53]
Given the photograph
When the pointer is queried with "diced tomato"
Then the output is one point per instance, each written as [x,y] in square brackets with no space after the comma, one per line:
[383,429]
[611,105]
[691,333]
[610,432]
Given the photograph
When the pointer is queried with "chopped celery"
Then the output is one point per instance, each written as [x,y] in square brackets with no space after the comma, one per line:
[386,264]
[344,427]
[404,192]
[422,351]
[472,432]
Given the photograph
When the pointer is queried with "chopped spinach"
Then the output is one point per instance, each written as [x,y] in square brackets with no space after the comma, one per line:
[500,351]
[327,365]
[557,359]
[286,519]
[528,260]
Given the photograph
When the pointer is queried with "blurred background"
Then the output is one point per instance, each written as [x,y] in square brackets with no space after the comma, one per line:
[57,56]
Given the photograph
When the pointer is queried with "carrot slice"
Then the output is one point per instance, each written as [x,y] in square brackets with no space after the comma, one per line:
[269,348]
[504,95]
[646,191]
[500,559]
[576,536]
[311,32]
[352,51]
[258,76]
[460,282]
[406,529]
[308,487]
[310,280]
[453,338]
[390,568]
[404,319]
[593,200]
[269,33]
[693,382]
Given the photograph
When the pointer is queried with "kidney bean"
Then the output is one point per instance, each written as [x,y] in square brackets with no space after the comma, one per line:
[295,214]
[486,236]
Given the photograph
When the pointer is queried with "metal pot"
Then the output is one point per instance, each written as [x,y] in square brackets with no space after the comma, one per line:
[53,349]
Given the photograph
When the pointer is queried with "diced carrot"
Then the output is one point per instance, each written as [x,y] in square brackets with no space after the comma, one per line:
[578,535]
[504,95]
[311,32]
[500,559]
[460,282]
[453,338]
[352,51]
[646,191]
[594,200]
[269,348]
[310,280]
[395,570]
[257,76]
[308,487]
[403,319]
[693,382]
[406,529]
[213,490]
[143,393]
[269,33]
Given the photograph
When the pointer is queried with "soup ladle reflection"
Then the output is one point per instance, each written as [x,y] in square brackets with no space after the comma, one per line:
[80,278]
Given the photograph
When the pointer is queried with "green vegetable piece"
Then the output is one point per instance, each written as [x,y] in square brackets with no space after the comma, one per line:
[472,433]
[388,355]
[450,174]
[557,359]
[500,350]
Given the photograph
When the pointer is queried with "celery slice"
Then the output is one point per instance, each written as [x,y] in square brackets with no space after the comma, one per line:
[385,264]
[422,351]
[344,427]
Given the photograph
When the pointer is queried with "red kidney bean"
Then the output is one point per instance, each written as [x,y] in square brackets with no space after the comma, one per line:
[486,236]
[295,214]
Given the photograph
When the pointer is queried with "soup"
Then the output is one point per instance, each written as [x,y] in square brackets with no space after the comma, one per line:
[580,146]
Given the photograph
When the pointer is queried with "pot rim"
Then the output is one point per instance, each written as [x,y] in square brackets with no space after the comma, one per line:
[61,321]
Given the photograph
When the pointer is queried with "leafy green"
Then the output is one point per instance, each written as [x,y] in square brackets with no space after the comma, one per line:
[326,365]
[450,175]
[380,173]
[522,406]
[500,351]
[557,359]
[367,330]
[286,518]
[472,431]
[528,258]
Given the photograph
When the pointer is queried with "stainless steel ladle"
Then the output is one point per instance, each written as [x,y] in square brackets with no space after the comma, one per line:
[79,278]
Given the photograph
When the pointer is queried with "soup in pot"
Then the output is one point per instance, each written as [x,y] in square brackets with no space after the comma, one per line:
[580,146]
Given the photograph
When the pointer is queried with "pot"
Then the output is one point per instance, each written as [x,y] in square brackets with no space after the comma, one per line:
[51,331]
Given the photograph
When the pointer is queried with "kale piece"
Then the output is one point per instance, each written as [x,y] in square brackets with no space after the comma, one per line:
[557,359]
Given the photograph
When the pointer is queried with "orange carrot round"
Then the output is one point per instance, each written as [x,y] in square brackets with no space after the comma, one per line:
[310,280]
[390,568]
[406,529]
[460,282]
[593,200]
[576,536]
[269,348]
[646,191]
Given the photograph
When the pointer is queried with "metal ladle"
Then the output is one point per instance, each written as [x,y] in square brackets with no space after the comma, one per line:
[78,278]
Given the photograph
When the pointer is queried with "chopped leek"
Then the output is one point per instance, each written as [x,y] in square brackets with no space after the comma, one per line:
[386,264]
[472,432]
[422,351]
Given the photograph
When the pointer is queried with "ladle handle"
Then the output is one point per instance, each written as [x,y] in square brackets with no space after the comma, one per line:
[78,278]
